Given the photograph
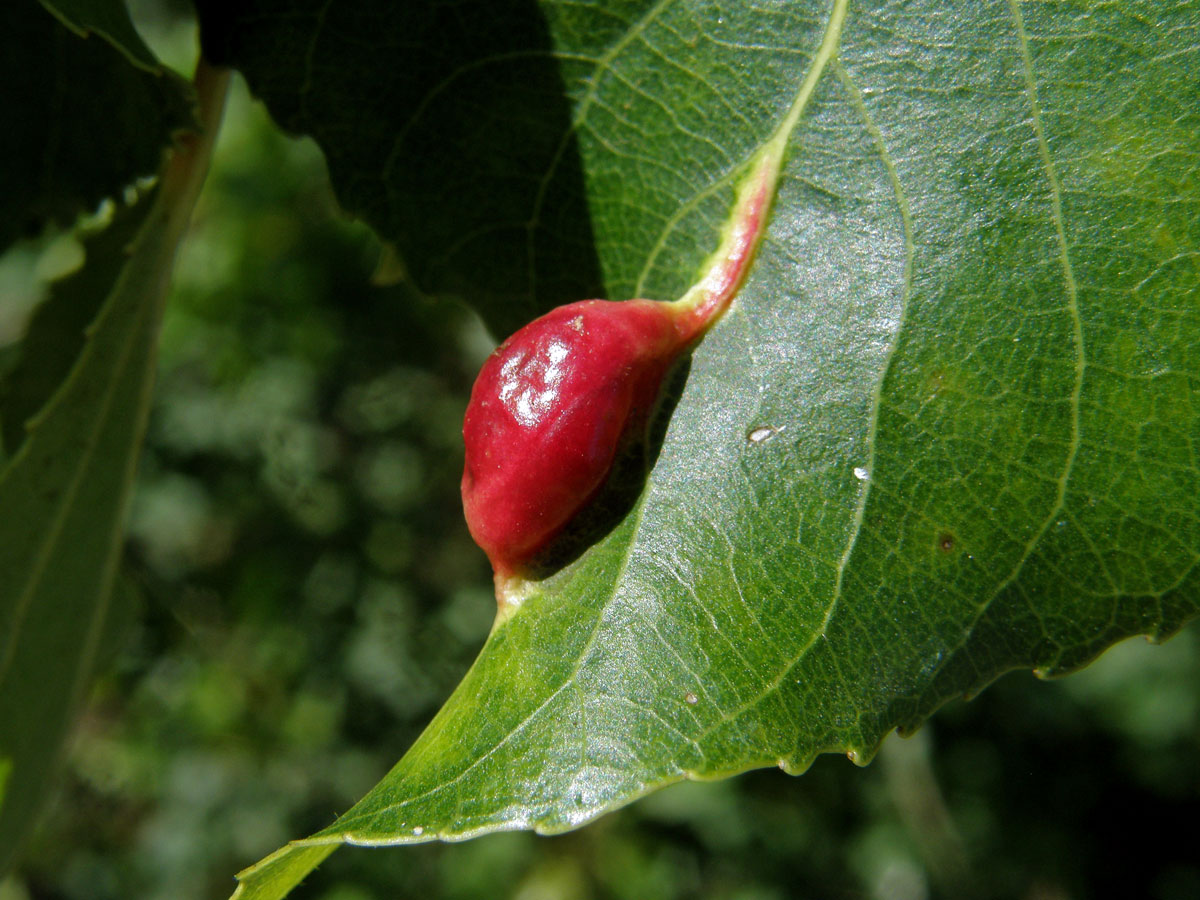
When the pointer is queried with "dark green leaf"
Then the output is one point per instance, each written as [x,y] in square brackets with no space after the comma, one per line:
[83,126]
[445,126]
[64,494]
[56,331]
[109,19]
[947,431]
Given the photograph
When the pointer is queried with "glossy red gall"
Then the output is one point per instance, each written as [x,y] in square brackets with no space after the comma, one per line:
[555,403]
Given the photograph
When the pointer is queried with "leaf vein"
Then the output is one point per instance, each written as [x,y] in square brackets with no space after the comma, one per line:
[1072,305]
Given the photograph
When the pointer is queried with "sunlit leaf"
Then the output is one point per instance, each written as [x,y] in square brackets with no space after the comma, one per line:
[947,430]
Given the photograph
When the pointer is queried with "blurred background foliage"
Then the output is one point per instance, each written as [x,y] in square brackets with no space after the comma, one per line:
[310,596]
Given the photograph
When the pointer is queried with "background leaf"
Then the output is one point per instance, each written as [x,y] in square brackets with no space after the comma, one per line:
[110,20]
[971,334]
[64,497]
[65,491]
[84,126]
[56,330]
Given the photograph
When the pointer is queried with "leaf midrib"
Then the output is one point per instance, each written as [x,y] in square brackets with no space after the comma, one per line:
[1072,299]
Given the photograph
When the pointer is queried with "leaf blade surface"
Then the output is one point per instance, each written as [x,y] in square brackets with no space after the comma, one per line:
[967,349]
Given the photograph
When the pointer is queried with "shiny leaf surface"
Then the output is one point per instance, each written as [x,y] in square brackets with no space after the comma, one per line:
[946,431]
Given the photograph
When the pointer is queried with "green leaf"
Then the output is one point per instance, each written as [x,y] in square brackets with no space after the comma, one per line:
[110,20]
[947,431]
[445,126]
[64,493]
[84,125]
[5,771]
[56,331]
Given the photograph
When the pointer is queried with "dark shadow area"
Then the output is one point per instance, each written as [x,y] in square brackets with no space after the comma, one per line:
[445,126]
[624,485]
[80,124]
[1070,794]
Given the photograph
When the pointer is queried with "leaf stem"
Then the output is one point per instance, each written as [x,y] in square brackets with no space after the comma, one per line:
[727,267]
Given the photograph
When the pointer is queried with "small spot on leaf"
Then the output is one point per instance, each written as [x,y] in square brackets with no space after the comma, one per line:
[936,383]
[760,434]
